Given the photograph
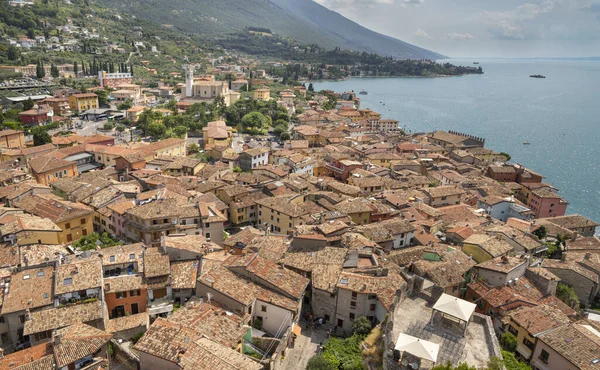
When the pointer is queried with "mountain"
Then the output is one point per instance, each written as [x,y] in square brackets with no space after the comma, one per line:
[302,20]
[351,35]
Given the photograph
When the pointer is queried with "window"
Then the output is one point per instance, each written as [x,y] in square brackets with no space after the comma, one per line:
[372,296]
[68,281]
[69,237]
[68,225]
[443,198]
[340,323]
[183,222]
[1,319]
[207,236]
[112,258]
[544,356]
[154,222]
[263,308]
[528,343]
[84,231]
[352,304]
[22,319]
[372,307]
[206,225]
[121,295]
[512,330]
[351,315]
[40,273]
[132,256]
[134,293]
[354,294]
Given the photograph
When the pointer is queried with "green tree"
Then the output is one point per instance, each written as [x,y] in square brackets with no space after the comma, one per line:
[318,362]
[40,136]
[54,71]
[108,126]
[508,362]
[30,33]
[127,104]
[157,130]
[255,123]
[94,240]
[28,104]
[285,136]
[75,68]
[180,131]
[13,53]
[102,97]
[508,341]
[237,169]
[121,127]
[567,294]
[541,232]
[310,87]
[193,148]
[361,326]
[508,157]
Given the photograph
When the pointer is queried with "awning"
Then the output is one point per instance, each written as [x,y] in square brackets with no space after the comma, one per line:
[296,329]
[455,307]
[417,347]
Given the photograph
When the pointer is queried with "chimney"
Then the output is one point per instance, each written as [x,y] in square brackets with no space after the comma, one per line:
[563,257]
[55,339]
[587,256]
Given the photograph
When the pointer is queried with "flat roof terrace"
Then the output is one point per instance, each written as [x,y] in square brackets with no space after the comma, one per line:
[478,344]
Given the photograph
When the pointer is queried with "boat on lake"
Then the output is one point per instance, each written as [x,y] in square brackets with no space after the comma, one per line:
[475,62]
[537,76]
[526,143]
[363,92]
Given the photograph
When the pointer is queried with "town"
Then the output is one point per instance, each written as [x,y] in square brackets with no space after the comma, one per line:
[224,214]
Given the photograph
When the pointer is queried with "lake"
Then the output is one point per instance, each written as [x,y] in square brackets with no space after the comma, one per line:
[558,115]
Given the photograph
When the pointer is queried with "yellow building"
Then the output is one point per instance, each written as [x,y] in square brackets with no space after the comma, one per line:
[47,169]
[483,247]
[12,139]
[281,215]
[217,133]
[26,229]
[261,94]
[83,102]
[383,159]
[526,323]
[134,113]
[359,210]
[74,219]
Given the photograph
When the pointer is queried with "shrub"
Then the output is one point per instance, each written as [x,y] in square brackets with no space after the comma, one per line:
[319,362]
[508,342]
[361,326]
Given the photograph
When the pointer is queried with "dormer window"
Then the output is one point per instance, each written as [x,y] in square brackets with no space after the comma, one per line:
[68,281]
[112,258]
[25,277]
[40,273]
[132,256]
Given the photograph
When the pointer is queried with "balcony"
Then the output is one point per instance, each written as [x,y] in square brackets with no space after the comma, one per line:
[334,168]
[151,227]
[160,306]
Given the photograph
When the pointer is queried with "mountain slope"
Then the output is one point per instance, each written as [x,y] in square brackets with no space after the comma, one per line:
[351,35]
[302,20]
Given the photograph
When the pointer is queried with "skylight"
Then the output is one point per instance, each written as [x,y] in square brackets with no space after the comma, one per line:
[68,281]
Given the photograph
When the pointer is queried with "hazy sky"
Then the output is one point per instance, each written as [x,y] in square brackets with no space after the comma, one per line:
[480,28]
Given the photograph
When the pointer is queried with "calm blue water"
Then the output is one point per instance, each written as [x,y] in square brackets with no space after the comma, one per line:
[559,116]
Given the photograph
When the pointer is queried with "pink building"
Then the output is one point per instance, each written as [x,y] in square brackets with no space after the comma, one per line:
[547,204]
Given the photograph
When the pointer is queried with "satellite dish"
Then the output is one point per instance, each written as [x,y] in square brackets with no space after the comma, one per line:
[414,365]
[404,362]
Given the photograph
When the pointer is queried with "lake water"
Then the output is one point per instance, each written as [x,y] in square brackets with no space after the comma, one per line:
[559,116]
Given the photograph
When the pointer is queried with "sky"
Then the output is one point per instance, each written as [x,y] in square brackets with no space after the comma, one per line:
[484,28]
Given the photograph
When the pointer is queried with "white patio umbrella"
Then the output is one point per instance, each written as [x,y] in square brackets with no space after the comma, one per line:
[417,347]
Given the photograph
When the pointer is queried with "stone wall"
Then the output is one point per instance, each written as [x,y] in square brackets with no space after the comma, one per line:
[490,334]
